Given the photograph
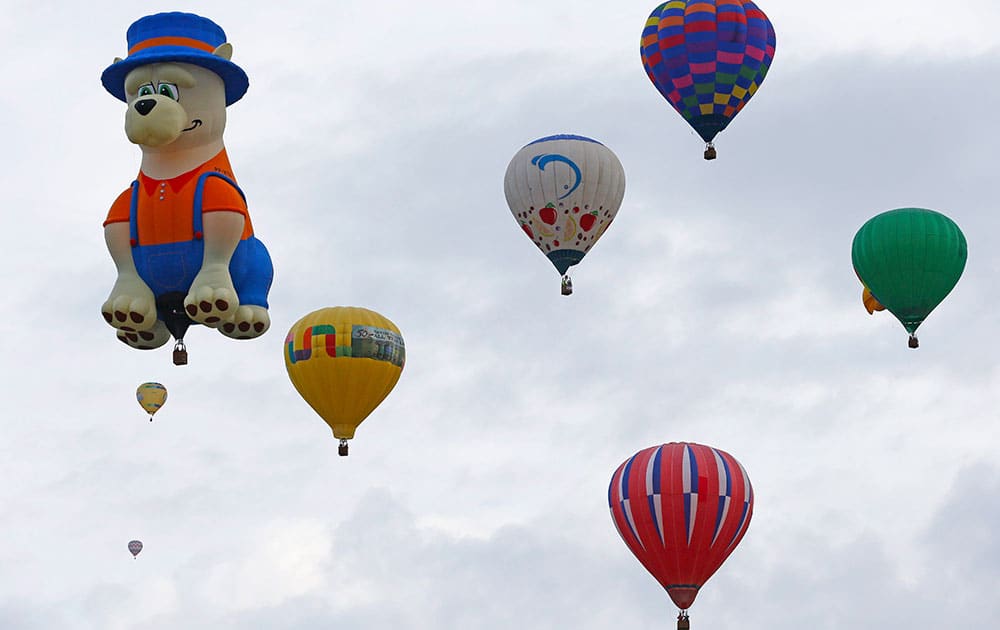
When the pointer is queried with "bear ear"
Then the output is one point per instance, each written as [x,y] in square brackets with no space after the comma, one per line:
[117,59]
[224,50]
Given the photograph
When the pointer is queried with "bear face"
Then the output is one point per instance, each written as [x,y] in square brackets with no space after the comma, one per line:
[174,106]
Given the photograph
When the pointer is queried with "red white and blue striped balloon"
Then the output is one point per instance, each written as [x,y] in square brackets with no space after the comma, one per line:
[681,508]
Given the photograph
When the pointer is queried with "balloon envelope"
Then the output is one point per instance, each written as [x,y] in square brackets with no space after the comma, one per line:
[910,259]
[707,58]
[681,508]
[135,546]
[344,361]
[564,191]
[151,397]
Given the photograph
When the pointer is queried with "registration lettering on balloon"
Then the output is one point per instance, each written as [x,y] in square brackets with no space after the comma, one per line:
[377,343]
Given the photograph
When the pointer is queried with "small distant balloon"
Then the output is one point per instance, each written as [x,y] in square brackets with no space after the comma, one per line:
[151,397]
[135,546]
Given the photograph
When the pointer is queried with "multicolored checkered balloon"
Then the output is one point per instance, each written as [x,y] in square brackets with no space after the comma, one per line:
[134,547]
[707,58]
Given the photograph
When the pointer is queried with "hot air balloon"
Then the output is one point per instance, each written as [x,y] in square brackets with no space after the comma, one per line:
[681,508]
[151,397]
[180,234]
[910,259]
[564,191]
[707,58]
[135,546]
[344,361]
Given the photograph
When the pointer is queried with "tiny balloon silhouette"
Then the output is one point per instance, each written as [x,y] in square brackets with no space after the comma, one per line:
[151,397]
[134,547]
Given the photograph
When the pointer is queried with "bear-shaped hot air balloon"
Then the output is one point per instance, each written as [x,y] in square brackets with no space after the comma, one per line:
[180,235]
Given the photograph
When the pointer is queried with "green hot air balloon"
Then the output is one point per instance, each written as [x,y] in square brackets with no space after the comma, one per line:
[910,259]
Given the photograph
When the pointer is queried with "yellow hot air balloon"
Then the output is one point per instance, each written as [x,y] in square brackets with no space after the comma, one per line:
[151,397]
[344,361]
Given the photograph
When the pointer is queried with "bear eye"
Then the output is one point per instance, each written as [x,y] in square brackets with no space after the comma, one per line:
[167,89]
[146,90]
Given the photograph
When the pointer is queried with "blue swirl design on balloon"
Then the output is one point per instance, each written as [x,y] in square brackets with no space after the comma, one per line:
[544,159]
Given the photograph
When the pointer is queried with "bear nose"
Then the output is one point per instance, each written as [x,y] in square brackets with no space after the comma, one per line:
[145,106]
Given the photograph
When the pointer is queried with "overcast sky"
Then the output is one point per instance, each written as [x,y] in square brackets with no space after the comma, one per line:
[720,308]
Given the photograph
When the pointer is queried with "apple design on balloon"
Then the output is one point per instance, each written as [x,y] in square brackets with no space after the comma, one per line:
[587,221]
[548,214]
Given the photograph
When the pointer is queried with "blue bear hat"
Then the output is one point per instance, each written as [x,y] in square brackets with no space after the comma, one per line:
[182,37]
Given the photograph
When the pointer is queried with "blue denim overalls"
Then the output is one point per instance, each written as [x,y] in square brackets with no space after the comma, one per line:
[171,267]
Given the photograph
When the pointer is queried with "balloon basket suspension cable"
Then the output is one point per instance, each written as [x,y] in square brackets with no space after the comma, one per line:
[710,151]
[171,307]
[342,449]
[683,623]
[150,417]
[913,343]
[567,285]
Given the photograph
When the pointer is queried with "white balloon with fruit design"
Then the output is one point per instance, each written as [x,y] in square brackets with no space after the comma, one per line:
[564,191]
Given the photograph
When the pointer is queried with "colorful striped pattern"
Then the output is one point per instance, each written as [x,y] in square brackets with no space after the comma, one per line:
[681,508]
[367,342]
[707,58]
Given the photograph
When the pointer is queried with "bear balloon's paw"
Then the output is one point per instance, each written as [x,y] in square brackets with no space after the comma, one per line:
[248,323]
[131,307]
[146,339]
[212,300]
